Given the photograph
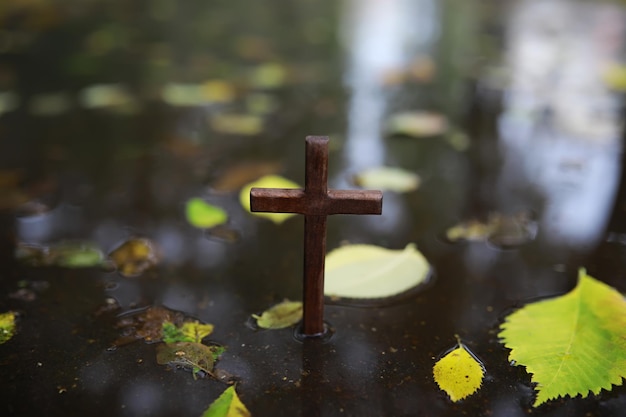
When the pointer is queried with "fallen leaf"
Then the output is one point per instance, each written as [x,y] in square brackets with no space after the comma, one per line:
[189,331]
[236,124]
[227,405]
[7,326]
[268,181]
[268,76]
[459,373]
[189,355]
[417,124]
[499,229]
[64,254]
[388,178]
[203,215]
[134,256]
[572,344]
[147,324]
[218,91]
[281,315]
[368,271]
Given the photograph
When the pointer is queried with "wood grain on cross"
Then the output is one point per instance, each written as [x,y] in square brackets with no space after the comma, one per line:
[316,202]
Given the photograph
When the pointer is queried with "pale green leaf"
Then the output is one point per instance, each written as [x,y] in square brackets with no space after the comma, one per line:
[572,344]
[267,181]
[7,326]
[388,178]
[237,124]
[367,271]
[459,373]
[189,331]
[227,405]
[281,315]
[203,215]
[76,255]
[417,124]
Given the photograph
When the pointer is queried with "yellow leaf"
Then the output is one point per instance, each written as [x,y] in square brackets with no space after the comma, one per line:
[7,326]
[369,271]
[280,316]
[459,373]
[227,405]
[196,330]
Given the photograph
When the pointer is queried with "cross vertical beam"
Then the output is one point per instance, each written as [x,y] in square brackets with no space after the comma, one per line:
[315,202]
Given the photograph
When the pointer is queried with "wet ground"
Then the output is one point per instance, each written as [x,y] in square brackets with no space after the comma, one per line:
[107,169]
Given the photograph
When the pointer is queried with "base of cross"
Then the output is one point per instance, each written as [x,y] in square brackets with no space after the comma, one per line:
[315,202]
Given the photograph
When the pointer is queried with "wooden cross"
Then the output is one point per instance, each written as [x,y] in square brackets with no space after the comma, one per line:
[316,202]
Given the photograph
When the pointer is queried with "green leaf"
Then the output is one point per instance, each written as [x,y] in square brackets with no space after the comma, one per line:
[189,331]
[7,326]
[367,271]
[417,124]
[281,315]
[459,373]
[76,255]
[268,181]
[388,178]
[203,215]
[227,405]
[572,344]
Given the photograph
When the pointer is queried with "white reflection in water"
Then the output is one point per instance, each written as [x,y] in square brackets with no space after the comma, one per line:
[561,129]
[380,37]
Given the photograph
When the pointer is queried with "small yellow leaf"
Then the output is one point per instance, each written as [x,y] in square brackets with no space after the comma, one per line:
[7,326]
[267,181]
[196,330]
[227,405]
[388,178]
[459,373]
[280,316]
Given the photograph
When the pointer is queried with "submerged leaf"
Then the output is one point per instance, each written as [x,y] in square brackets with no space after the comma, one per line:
[148,325]
[388,178]
[188,355]
[459,373]
[7,326]
[367,271]
[203,215]
[227,405]
[281,315]
[134,256]
[572,344]
[268,181]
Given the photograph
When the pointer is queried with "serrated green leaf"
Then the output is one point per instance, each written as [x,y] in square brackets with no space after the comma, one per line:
[388,178]
[7,326]
[368,271]
[268,181]
[203,215]
[573,344]
[459,373]
[281,315]
[227,405]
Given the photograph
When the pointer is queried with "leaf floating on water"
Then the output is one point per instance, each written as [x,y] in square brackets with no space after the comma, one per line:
[227,405]
[268,76]
[459,373]
[281,315]
[417,124]
[147,324]
[368,271]
[7,326]
[573,344]
[64,254]
[134,256]
[193,331]
[237,124]
[188,355]
[268,181]
[388,178]
[499,229]
[203,215]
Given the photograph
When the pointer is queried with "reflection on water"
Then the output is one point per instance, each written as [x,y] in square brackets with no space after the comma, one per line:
[560,132]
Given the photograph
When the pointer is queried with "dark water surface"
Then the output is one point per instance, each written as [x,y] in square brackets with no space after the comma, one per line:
[107,172]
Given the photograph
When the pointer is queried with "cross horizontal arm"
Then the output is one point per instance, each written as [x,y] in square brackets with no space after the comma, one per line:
[354,202]
[278,200]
